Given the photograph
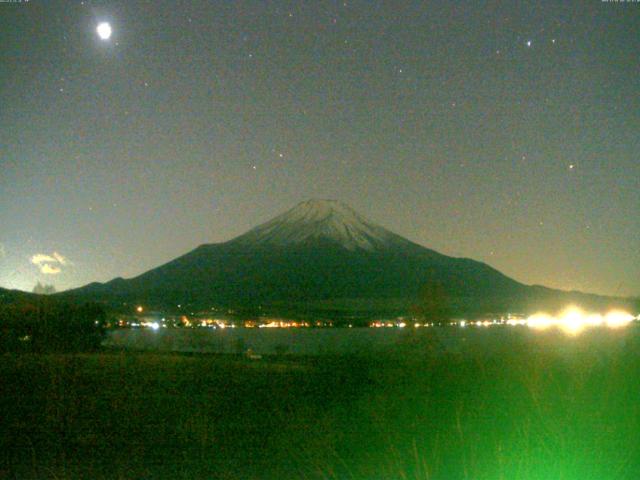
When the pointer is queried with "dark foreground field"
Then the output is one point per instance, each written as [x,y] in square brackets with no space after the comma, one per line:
[527,412]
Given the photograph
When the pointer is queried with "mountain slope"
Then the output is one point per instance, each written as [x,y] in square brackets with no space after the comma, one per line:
[16,296]
[316,256]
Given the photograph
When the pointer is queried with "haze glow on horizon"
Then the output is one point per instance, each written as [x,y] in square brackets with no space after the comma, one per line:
[506,135]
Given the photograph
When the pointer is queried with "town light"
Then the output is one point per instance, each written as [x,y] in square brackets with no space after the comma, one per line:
[573,320]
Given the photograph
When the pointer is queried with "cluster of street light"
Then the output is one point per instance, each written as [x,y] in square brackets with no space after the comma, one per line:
[572,320]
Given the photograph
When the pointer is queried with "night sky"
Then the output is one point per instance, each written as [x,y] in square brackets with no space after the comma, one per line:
[507,132]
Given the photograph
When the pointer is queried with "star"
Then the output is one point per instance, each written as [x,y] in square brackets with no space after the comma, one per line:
[528,43]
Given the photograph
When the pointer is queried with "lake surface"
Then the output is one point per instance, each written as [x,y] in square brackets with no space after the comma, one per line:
[339,341]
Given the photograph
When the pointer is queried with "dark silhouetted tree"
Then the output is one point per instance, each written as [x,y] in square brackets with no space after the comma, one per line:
[44,289]
[49,326]
[433,304]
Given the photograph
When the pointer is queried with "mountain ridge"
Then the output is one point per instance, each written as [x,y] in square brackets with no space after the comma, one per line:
[322,253]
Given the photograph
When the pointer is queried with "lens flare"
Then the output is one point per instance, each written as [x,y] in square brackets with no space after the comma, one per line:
[618,318]
[540,321]
[574,320]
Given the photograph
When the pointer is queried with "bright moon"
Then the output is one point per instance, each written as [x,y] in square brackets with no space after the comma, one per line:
[104,31]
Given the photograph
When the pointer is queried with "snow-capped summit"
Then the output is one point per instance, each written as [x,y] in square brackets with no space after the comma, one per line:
[329,220]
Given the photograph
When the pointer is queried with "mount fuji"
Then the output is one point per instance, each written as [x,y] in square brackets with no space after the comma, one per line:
[323,258]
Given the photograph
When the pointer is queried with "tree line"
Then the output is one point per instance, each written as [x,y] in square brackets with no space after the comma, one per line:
[47,325]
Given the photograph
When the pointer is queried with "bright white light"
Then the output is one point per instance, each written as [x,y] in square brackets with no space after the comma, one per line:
[573,320]
[540,321]
[104,30]
[154,325]
[593,320]
[616,319]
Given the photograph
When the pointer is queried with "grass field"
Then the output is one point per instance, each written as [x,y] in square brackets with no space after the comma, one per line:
[526,413]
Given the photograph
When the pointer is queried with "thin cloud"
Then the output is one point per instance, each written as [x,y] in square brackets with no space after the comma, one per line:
[50,264]
[61,260]
[41,258]
[50,270]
